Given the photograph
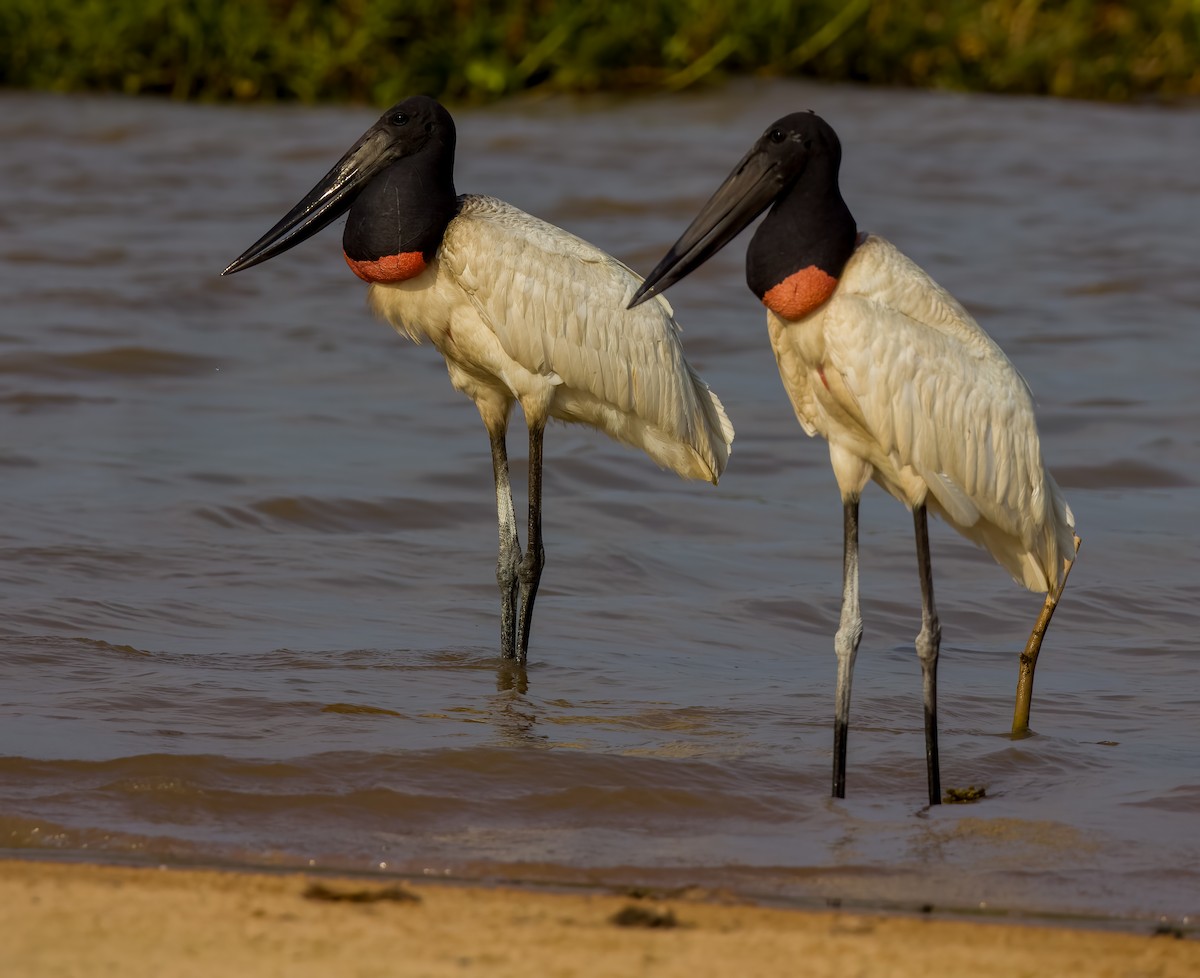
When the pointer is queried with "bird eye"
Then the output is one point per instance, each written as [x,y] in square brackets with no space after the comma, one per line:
[777,136]
[399,119]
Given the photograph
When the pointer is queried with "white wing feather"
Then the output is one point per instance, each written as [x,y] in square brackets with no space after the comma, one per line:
[942,402]
[556,304]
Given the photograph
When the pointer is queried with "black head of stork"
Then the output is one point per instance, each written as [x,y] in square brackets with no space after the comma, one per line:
[397,182]
[794,166]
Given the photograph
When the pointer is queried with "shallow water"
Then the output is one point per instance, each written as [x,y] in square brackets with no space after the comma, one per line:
[248,605]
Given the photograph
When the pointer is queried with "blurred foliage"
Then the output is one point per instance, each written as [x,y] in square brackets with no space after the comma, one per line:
[380,50]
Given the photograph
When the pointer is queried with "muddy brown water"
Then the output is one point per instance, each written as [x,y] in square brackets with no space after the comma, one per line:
[248,610]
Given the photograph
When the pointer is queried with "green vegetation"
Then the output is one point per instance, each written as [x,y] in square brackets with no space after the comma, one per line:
[379,50]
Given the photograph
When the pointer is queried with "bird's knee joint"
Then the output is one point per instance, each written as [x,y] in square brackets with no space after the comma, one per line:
[506,573]
[530,569]
[929,640]
[846,639]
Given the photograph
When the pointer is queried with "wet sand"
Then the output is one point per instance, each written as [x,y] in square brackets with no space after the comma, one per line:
[75,919]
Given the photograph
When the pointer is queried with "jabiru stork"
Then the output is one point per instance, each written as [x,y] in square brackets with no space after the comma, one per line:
[905,386]
[522,311]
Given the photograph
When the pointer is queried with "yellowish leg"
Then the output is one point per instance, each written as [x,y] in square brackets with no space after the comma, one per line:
[1020,725]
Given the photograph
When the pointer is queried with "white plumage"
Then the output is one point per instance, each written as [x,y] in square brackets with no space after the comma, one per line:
[524,311]
[911,392]
[521,310]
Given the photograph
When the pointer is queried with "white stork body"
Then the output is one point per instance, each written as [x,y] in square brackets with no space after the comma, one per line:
[904,385]
[911,392]
[521,310]
[524,311]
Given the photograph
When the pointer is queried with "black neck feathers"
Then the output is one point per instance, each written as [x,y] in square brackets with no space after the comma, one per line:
[808,226]
[406,208]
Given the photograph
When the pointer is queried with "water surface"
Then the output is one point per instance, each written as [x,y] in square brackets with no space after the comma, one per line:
[248,608]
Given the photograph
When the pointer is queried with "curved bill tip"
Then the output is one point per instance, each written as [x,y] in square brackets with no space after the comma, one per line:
[645,291]
[659,279]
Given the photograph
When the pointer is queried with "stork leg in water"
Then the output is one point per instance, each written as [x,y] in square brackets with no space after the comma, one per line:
[929,641]
[1020,724]
[530,571]
[510,546]
[845,644]
[849,634]
[517,576]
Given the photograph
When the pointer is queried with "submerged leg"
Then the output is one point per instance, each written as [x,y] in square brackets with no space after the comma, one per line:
[510,546]
[928,643]
[845,643]
[1020,725]
[530,570]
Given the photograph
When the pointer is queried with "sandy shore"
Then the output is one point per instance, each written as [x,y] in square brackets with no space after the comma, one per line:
[65,920]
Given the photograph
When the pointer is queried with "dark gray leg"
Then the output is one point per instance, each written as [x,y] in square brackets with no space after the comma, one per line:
[510,547]
[845,644]
[530,570]
[928,644]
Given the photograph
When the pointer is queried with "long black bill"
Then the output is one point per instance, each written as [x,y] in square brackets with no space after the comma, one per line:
[747,192]
[325,203]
